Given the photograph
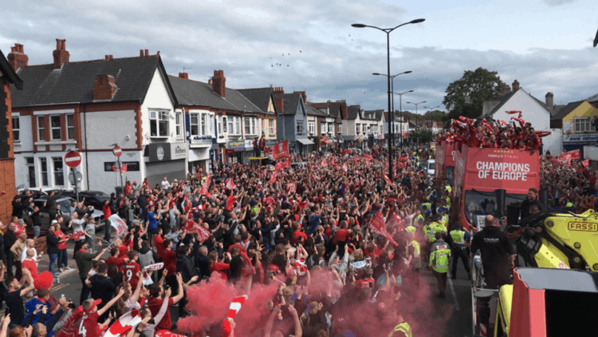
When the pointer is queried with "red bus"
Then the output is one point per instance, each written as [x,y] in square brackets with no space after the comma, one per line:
[479,172]
[445,163]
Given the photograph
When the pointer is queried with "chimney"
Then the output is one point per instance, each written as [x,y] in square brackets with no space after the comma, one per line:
[141,53]
[184,76]
[147,52]
[344,109]
[279,99]
[61,56]
[104,87]
[505,90]
[219,83]
[17,57]
[515,85]
[108,58]
[303,94]
[550,99]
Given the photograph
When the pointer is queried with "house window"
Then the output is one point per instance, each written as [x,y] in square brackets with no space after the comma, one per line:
[43,165]
[237,125]
[179,124]
[158,123]
[311,126]
[248,126]
[271,126]
[194,124]
[202,125]
[41,128]
[323,128]
[219,126]
[16,129]
[58,171]
[31,171]
[210,125]
[55,131]
[70,126]
[230,124]
[582,124]
[300,128]
[358,128]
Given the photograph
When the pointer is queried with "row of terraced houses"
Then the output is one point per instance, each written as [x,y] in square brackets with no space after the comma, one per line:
[166,125]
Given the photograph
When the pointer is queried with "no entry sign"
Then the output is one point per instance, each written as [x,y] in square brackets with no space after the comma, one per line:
[117,150]
[72,159]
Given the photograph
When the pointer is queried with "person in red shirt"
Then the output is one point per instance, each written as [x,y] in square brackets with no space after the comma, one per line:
[237,244]
[89,327]
[116,259]
[30,263]
[218,267]
[132,268]
[341,234]
[155,302]
[63,260]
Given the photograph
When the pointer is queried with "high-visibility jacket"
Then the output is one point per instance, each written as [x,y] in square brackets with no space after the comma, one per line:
[428,206]
[459,236]
[448,202]
[431,230]
[416,248]
[448,188]
[419,219]
[412,229]
[404,327]
[444,221]
[440,254]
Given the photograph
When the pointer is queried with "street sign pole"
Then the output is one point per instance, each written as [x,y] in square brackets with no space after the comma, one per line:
[118,152]
[76,183]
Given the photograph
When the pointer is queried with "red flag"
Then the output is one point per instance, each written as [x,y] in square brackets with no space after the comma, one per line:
[387,179]
[230,184]
[193,227]
[379,227]
[586,163]
[114,167]
[280,150]
[206,185]
[235,306]
[367,157]
[272,178]
[395,220]
[124,168]
[303,205]
[286,163]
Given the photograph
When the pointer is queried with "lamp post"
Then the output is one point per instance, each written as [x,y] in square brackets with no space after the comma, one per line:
[431,108]
[388,31]
[392,90]
[401,113]
[416,115]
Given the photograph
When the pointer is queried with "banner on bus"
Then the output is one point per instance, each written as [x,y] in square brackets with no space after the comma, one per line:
[510,169]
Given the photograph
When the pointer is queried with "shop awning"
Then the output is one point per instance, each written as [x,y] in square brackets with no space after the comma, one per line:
[305,141]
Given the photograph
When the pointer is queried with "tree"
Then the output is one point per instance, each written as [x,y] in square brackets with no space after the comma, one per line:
[466,96]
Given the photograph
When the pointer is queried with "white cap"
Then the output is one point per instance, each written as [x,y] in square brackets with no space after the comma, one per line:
[54,222]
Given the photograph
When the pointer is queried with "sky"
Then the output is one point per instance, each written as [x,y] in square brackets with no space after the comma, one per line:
[310,46]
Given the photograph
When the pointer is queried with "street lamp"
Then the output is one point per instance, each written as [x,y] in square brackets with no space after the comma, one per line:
[392,89]
[388,31]
[431,108]
[401,113]
[416,115]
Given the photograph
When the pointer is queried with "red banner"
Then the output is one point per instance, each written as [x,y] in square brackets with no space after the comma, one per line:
[586,163]
[486,169]
[280,150]
[193,227]
[272,178]
[378,226]
[575,154]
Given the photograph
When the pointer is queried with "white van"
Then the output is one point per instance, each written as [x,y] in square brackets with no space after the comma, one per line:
[431,167]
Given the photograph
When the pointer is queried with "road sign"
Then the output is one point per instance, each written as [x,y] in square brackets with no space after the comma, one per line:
[72,159]
[117,150]
[78,175]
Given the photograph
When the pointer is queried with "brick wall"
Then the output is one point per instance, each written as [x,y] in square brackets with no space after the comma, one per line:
[7,165]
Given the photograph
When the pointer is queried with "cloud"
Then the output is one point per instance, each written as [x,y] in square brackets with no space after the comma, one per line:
[307,45]
[558,2]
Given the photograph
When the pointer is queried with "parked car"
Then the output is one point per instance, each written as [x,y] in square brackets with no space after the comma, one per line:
[94,198]
[431,167]
[65,207]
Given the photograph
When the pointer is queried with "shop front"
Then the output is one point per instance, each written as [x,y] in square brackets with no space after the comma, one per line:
[166,160]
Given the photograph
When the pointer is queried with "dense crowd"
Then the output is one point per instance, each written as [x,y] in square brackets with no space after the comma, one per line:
[331,247]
